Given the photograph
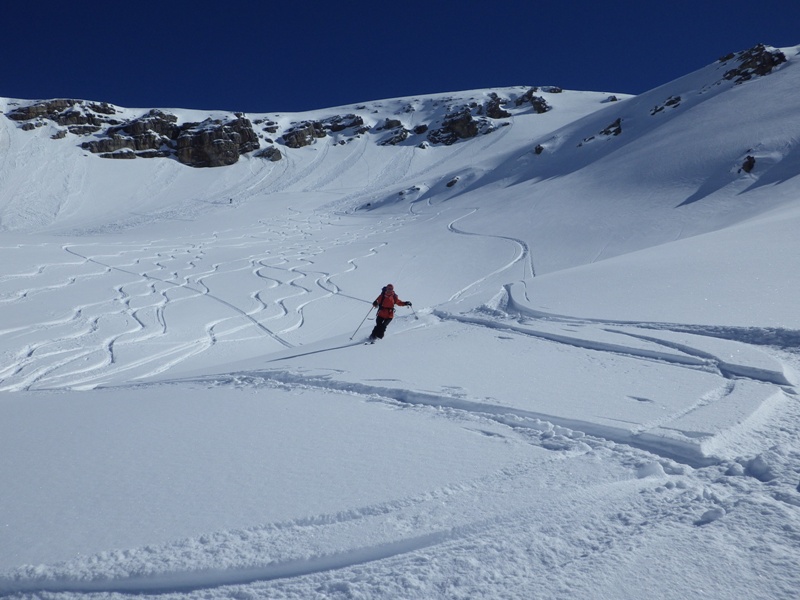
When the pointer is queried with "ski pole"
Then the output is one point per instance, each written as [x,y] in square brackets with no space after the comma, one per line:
[362,322]
[411,306]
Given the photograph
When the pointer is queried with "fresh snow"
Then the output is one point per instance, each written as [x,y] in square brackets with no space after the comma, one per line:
[595,394]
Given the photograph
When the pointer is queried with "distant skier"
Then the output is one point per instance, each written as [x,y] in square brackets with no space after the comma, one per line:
[385,304]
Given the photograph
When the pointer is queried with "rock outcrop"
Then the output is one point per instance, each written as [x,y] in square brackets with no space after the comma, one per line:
[306,133]
[155,131]
[271,153]
[114,133]
[397,136]
[614,129]
[212,143]
[748,164]
[755,62]
[494,108]
[611,130]
[77,116]
[339,123]
[118,133]
[456,126]
[539,104]
[671,102]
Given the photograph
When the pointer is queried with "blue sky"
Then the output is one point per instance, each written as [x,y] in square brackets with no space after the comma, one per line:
[265,56]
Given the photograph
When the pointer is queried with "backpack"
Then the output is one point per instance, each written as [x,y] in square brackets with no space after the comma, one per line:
[383,297]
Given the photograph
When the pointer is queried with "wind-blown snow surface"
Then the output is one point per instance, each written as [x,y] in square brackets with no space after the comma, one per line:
[593,396]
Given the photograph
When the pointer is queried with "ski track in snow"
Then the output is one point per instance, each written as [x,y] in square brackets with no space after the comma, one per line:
[139,289]
[125,313]
[277,554]
[316,539]
[177,273]
[686,453]
[523,253]
[283,555]
[146,285]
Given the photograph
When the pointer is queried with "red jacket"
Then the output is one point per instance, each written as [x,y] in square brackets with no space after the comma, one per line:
[386,302]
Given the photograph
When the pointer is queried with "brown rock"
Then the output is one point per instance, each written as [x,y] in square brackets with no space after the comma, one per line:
[755,62]
[214,144]
[304,134]
[494,109]
[271,153]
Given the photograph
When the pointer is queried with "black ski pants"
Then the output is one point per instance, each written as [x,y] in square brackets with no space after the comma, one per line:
[380,327]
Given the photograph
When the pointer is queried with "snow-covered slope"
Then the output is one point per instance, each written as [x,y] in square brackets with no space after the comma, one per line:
[358,158]
[594,393]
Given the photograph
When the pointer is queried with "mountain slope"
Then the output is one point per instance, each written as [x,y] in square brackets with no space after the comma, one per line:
[674,161]
[593,394]
[362,158]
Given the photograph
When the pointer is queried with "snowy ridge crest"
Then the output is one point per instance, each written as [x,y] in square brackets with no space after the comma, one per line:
[116,132]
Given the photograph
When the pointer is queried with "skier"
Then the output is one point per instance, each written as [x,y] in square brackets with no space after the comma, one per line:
[385,304]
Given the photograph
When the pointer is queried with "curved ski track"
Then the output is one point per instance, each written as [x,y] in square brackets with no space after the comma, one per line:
[118,305]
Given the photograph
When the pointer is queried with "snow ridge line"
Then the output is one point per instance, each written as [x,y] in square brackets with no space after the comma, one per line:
[315,544]
[690,357]
[713,396]
[578,342]
[787,339]
[187,581]
[727,369]
[193,564]
[685,452]
[780,337]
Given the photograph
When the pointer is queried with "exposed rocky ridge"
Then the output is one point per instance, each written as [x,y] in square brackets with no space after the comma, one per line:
[460,125]
[671,102]
[77,116]
[304,134]
[758,61]
[119,133]
[539,104]
[211,143]
[216,142]
[612,130]
[755,62]
[154,132]
[494,108]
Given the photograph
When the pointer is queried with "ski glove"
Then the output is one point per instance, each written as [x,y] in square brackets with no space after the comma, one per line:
[408,303]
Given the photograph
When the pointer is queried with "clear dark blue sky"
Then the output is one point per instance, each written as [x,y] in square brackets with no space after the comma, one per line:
[267,56]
